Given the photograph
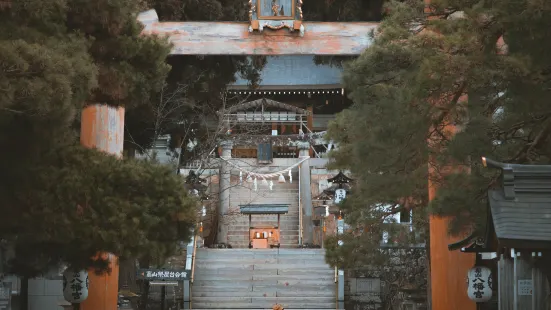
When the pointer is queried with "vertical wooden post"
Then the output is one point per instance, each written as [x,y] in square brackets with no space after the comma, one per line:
[102,127]
[505,283]
[522,279]
[541,285]
[310,125]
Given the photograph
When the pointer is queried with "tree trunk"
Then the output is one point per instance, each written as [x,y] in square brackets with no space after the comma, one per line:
[24,293]
[127,275]
[144,297]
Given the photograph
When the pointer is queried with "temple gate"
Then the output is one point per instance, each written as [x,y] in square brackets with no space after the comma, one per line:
[275,28]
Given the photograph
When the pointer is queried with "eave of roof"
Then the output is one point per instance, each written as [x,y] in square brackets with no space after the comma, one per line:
[259,209]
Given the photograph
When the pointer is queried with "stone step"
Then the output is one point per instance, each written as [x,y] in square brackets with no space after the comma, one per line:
[265,260]
[283,226]
[245,221]
[228,282]
[285,230]
[245,245]
[270,253]
[263,277]
[263,305]
[231,294]
[280,293]
[257,260]
[231,273]
[245,239]
[273,300]
[316,265]
[255,197]
[243,199]
[244,288]
[270,308]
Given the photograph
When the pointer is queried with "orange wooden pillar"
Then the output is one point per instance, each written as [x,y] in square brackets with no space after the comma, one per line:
[448,269]
[102,127]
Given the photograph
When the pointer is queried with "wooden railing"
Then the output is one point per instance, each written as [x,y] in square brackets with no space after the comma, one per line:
[193,257]
[192,277]
[300,228]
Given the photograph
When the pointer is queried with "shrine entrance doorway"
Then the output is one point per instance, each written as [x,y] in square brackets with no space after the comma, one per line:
[266,234]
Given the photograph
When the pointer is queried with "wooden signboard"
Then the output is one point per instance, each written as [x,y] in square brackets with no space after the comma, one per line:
[158,274]
[5,295]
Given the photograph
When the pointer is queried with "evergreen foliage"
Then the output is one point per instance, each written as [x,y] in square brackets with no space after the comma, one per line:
[62,203]
[419,80]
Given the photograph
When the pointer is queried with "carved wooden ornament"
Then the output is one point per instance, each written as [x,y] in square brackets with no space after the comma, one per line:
[275,15]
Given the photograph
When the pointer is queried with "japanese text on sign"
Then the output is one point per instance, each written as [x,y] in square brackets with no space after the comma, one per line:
[525,287]
[148,274]
[5,296]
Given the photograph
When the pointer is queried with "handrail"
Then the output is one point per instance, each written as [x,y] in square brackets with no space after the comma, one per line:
[193,257]
[336,294]
[299,208]
[192,269]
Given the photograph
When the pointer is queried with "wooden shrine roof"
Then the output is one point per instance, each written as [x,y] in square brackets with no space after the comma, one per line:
[233,38]
[521,205]
[294,72]
[258,104]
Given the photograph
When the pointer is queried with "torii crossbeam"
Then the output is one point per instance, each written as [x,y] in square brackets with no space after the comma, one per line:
[234,38]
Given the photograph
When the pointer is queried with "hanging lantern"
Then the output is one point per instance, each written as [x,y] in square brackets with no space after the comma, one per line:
[75,286]
[479,284]
[281,179]
[290,177]
[340,194]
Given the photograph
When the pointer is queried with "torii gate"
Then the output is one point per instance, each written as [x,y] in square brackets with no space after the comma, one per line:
[103,127]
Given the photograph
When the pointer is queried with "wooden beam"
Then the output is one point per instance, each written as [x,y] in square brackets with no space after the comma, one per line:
[234,38]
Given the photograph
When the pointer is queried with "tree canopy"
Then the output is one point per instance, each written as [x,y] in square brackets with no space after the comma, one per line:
[441,93]
[61,203]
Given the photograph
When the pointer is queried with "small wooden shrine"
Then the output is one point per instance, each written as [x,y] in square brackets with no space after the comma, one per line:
[516,245]
[265,236]
[275,15]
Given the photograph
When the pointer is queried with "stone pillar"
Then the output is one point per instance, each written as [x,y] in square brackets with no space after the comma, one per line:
[306,194]
[224,188]
[102,128]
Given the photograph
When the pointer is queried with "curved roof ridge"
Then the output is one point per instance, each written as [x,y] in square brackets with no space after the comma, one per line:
[265,102]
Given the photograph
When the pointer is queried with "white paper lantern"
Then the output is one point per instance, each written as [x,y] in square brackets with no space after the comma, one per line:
[75,286]
[340,194]
[479,284]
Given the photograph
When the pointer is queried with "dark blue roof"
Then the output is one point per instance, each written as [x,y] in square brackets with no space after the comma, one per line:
[294,71]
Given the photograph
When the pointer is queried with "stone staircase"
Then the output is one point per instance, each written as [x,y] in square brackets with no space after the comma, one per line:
[281,193]
[260,278]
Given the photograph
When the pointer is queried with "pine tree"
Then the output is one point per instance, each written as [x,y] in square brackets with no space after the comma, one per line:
[62,203]
[419,77]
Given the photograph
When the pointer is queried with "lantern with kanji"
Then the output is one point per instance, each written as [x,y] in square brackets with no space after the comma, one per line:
[75,286]
[479,284]
[340,192]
